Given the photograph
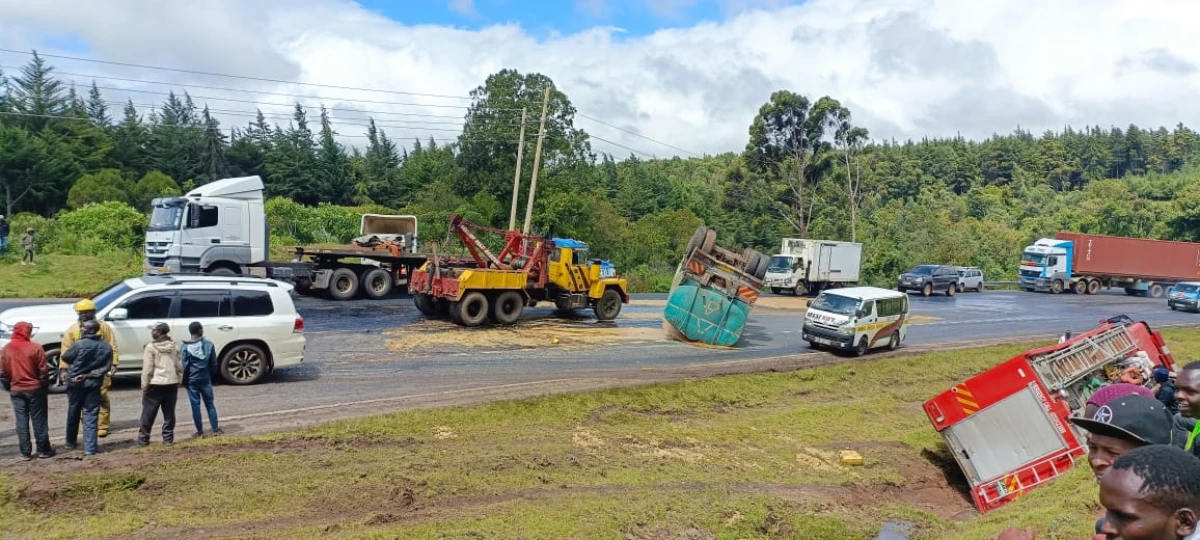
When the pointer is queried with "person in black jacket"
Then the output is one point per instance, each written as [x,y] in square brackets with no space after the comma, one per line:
[89,359]
[1166,389]
[4,230]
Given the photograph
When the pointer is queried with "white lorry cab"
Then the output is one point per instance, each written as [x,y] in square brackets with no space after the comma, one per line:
[805,266]
[857,319]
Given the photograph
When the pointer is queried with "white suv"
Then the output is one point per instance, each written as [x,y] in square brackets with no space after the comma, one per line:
[970,278]
[251,321]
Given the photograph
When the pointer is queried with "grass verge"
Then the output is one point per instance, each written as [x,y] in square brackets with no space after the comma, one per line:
[64,276]
[751,456]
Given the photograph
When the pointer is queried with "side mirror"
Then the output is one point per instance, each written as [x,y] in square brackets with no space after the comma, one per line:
[808,302]
[119,314]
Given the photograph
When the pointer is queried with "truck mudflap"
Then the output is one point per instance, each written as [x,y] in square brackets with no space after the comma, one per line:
[706,315]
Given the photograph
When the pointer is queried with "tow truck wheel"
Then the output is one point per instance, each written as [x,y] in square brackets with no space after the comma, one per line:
[608,306]
[377,284]
[1057,287]
[1080,287]
[424,304]
[472,309]
[1093,286]
[507,308]
[862,347]
[343,284]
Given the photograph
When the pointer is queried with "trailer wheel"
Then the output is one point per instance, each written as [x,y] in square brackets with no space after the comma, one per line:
[343,284]
[507,307]
[1156,291]
[424,304]
[608,306]
[697,238]
[710,241]
[1093,286]
[472,310]
[1080,287]
[1057,287]
[377,284]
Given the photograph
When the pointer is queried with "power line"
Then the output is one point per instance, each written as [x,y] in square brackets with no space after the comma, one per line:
[601,122]
[652,156]
[308,106]
[333,119]
[245,77]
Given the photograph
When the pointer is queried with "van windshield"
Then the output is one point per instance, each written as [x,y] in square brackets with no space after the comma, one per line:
[779,263]
[166,216]
[832,303]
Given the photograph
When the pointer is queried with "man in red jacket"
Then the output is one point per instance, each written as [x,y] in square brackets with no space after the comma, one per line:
[25,374]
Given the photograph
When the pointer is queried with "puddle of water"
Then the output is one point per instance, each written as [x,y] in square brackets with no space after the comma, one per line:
[895,530]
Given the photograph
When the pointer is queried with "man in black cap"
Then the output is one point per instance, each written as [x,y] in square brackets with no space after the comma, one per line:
[1124,424]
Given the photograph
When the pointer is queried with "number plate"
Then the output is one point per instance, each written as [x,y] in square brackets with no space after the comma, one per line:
[823,341]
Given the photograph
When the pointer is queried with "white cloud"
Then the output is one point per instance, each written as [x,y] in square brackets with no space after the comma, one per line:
[907,68]
[463,7]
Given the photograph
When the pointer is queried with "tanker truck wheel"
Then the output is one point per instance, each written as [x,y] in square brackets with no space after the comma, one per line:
[697,238]
[710,241]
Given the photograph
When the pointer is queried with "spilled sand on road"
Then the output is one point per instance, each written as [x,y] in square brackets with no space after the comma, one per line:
[440,335]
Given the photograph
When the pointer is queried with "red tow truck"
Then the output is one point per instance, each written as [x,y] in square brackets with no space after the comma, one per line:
[1008,427]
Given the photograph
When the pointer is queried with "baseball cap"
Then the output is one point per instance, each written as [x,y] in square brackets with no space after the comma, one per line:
[1110,392]
[1132,418]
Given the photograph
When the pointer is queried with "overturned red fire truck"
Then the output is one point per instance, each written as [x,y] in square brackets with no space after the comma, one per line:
[1009,427]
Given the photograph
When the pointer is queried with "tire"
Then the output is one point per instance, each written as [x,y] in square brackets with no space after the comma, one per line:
[979,288]
[697,239]
[1156,291]
[959,286]
[472,309]
[952,290]
[1172,306]
[1132,292]
[1056,287]
[760,271]
[815,346]
[52,356]
[507,307]
[424,304]
[244,364]
[927,290]
[894,342]
[608,306]
[1093,286]
[343,284]
[377,284]
[862,348]
[776,290]
[710,241]
[222,271]
[801,289]
[1080,287]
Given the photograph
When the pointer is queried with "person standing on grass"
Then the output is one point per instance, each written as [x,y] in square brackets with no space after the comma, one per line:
[29,244]
[86,309]
[1187,395]
[89,359]
[25,375]
[199,358]
[162,373]
[4,230]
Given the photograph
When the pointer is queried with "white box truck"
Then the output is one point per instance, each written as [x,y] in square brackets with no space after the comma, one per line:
[805,266]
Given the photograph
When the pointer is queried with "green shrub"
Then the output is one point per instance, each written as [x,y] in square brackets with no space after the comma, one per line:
[152,186]
[102,186]
[97,228]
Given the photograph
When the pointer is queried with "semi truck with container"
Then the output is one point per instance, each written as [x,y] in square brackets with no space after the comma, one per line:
[805,266]
[1009,428]
[713,291]
[221,228]
[1086,263]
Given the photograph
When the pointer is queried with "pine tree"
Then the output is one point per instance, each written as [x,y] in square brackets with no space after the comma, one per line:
[37,93]
[130,139]
[96,109]
[335,166]
[212,154]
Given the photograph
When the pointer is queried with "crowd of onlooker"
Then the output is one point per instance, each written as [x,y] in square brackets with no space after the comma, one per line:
[1142,448]
[88,362]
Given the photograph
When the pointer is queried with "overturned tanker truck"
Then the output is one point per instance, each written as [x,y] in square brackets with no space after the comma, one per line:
[713,291]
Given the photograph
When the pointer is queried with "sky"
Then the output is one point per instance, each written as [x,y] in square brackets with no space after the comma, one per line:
[649,77]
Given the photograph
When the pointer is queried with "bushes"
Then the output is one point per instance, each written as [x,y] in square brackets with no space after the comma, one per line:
[94,229]
[292,223]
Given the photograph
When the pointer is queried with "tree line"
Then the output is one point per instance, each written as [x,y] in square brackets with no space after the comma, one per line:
[807,170]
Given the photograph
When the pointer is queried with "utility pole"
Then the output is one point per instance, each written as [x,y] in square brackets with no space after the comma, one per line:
[537,161]
[512,215]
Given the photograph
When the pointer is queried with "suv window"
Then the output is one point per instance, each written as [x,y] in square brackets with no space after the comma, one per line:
[252,304]
[154,305]
[204,305]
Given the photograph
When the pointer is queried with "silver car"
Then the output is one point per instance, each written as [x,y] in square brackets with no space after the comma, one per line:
[970,279]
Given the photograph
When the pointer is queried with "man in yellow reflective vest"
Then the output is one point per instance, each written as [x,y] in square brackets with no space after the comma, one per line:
[87,312]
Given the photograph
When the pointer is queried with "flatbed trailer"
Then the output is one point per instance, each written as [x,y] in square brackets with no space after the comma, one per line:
[376,274]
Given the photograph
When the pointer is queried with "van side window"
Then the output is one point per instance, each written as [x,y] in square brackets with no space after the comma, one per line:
[868,308]
[892,307]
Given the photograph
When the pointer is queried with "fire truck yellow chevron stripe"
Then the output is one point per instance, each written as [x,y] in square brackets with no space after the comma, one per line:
[968,402]
[966,399]
[962,389]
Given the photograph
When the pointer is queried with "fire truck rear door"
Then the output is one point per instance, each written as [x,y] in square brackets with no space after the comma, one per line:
[1001,438]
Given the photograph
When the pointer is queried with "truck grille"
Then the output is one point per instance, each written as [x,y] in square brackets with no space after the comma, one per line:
[157,248]
[1031,273]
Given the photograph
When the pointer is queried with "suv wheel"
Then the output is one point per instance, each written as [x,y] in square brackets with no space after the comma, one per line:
[52,356]
[953,288]
[979,288]
[927,290]
[244,364]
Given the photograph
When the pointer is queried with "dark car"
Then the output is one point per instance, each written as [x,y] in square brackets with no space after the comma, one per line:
[929,279]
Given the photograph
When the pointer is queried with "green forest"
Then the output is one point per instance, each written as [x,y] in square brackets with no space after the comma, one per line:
[82,171]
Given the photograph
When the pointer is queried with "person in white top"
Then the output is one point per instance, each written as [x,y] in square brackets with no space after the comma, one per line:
[162,372]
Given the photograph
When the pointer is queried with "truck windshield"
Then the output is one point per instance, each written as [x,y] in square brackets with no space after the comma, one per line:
[103,298]
[832,303]
[779,264]
[1036,259]
[166,216]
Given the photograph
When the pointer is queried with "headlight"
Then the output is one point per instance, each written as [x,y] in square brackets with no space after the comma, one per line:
[846,329]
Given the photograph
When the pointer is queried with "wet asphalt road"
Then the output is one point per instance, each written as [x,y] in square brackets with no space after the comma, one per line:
[348,361]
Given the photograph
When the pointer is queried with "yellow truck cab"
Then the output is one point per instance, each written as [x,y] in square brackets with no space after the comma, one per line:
[583,282]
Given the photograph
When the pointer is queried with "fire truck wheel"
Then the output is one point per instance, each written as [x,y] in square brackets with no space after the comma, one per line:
[609,305]
[697,238]
[507,308]
[424,304]
[377,284]
[472,309]
[343,284]
[862,347]
[710,241]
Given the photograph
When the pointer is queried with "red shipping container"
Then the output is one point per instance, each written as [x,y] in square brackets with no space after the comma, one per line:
[1115,256]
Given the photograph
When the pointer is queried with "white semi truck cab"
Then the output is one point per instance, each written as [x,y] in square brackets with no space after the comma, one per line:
[810,266]
[216,228]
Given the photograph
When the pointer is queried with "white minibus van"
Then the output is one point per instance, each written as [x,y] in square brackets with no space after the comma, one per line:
[857,319]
